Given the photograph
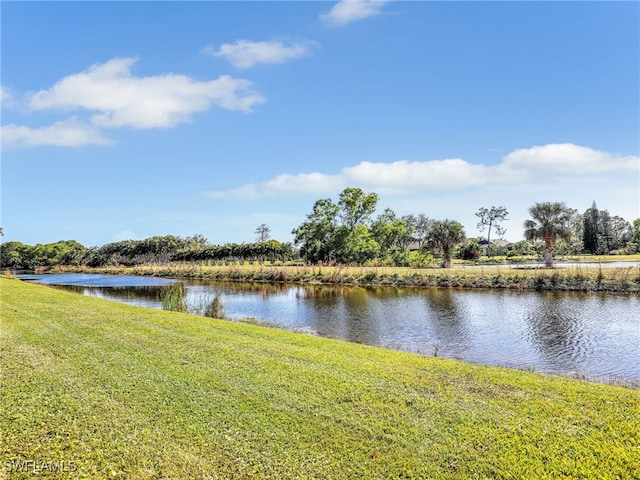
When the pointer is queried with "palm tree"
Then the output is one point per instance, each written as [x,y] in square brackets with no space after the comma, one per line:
[550,222]
[443,236]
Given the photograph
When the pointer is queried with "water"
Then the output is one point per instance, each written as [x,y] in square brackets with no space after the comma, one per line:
[101,281]
[140,291]
[595,335]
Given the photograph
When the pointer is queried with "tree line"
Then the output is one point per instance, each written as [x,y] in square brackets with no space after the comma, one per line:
[347,232]
[153,250]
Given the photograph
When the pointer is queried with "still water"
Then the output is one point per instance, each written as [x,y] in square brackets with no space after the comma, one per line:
[595,335]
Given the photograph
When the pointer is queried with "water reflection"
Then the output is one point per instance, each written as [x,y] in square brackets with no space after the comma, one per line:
[448,315]
[141,296]
[577,332]
[554,330]
[596,335]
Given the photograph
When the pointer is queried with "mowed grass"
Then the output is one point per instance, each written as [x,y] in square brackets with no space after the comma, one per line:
[127,392]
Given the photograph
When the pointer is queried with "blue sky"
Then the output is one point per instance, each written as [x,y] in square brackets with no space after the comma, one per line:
[126,120]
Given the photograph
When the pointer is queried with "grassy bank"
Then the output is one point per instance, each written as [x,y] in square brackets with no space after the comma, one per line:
[533,259]
[108,390]
[578,279]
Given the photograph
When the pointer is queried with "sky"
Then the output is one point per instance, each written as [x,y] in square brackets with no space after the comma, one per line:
[125,120]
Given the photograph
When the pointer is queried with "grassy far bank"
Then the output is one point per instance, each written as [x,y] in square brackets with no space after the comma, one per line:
[117,391]
[584,279]
[585,258]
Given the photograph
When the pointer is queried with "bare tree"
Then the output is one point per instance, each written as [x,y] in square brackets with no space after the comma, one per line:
[263,233]
[491,218]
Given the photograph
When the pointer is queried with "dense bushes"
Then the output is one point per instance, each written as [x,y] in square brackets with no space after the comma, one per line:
[153,250]
[17,255]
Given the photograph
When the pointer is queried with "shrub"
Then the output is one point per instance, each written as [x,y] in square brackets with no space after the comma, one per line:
[215,308]
[419,259]
[173,299]
[469,250]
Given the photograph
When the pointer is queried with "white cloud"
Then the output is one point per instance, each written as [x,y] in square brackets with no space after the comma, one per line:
[303,183]
[402,176]
[245,53]
[569,158]
[143,102]
[406,178]
[67,133]
[391,178]
[347,11]
[6,98]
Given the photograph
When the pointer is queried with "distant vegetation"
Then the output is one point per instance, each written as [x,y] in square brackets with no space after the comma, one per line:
[346,232]
[153,250]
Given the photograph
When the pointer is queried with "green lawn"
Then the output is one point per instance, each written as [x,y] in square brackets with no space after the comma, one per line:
[117,391]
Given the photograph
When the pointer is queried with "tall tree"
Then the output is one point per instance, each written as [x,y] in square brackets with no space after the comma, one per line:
[590,221]
[389,231]
[317,235]
[420,225]
[263,233]
[356,207]
[605,238]
[549,222]
[339,231]
[409,232]
[443,236]
[358,245]
[491,218]
[635,231]
[633,246]
[620,232]
[576,224]
[603,233]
